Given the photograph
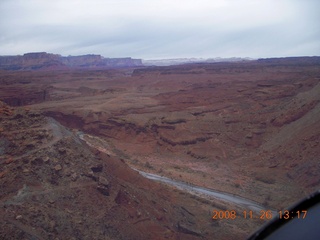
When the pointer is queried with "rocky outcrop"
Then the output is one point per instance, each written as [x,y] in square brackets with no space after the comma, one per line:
[45,61]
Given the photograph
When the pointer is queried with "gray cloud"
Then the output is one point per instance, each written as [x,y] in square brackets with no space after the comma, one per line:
[161,28]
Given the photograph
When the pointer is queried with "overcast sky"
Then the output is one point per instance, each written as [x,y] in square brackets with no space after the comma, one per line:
[155,29]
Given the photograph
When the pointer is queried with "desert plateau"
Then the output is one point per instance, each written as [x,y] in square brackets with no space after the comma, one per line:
[85,142]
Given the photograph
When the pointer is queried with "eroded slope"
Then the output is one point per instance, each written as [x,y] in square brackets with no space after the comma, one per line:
[53,186]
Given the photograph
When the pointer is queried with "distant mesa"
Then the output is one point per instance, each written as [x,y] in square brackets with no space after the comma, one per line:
[47,61]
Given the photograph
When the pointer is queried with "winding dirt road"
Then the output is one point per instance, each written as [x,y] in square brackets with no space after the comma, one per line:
[227,197]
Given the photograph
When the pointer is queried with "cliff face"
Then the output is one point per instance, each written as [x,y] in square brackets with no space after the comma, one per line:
[31,61]
[44,61]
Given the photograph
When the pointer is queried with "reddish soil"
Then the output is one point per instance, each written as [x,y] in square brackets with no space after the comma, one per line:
[54,186]
[249,128]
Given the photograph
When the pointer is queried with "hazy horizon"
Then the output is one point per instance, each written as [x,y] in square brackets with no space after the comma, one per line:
[155,59]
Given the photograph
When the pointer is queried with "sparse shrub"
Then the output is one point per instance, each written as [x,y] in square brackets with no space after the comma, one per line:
[265,179]
[135,161]
[148,165]
[265,203]
[268,198]
[174,121]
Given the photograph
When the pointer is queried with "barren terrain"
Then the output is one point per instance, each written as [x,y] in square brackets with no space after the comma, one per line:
[248,128]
